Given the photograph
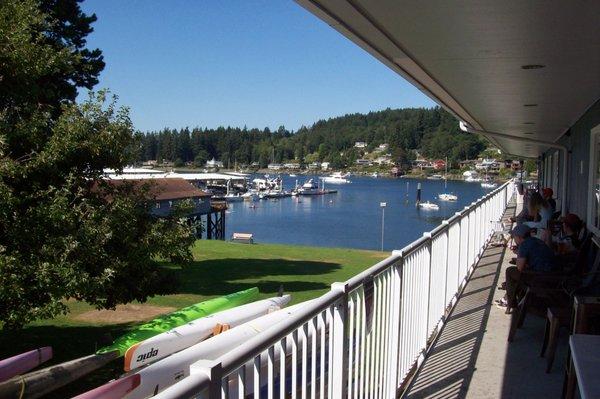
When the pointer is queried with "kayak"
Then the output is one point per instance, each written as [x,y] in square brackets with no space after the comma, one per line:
[24,362]
[166,372]
[39,383]
[178,318]
[182,337]
[121,387]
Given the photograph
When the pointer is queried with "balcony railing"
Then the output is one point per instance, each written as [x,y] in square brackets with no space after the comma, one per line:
[366,336]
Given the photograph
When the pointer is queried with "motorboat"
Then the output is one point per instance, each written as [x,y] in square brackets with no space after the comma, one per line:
[309,188]
[276,194]
[488,184]
[292,175]
[473,179]
[375,175]
[447,197]
[435,177]
[250,196]
[231,197]
[430,206]
[335,178]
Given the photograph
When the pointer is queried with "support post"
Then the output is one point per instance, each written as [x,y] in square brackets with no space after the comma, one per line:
[340,362]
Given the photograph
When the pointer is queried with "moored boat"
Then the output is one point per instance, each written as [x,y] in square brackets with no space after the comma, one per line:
[447,197]
[336,178]
[428,206]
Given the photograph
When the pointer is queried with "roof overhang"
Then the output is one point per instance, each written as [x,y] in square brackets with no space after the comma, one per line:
[478,59]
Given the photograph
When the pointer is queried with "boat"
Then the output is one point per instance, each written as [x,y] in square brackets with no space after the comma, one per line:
[488,184]
[179,338]
[309,188]
[22,363]
[447,197]
[292,175]
[275,194]
[336,178]
[233,197]
[250,196]
[375,175]
[435,177]
[160,375]
[428,206]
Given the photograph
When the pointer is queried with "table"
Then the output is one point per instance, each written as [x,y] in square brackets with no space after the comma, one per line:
[585,363]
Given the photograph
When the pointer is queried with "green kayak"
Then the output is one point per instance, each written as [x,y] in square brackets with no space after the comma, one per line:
[179,318]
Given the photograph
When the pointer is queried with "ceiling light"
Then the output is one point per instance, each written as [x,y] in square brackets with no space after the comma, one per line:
[530,105]
[533,66]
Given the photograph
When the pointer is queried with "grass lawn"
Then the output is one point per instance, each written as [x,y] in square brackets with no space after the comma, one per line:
[219,268]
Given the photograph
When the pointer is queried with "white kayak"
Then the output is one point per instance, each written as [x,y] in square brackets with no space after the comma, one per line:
[182,337]
[166,372]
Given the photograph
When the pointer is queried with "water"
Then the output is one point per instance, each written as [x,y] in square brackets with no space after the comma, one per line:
[351,218]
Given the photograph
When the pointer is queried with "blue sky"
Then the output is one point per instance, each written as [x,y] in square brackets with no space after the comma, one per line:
[257,63]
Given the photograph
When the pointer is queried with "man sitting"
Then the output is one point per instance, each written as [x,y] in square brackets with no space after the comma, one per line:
[533,255]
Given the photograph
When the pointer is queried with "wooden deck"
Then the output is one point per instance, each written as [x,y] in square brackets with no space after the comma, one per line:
[471,357]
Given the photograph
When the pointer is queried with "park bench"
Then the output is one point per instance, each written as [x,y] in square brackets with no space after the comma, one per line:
[247,238]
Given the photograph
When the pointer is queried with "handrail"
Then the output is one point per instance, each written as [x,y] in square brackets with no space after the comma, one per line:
[259,343]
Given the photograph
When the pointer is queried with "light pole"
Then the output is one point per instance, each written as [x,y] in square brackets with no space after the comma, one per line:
[382,205]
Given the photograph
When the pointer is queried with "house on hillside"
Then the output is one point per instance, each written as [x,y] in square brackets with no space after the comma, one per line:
[274,166]
[439,164]
[363,162]
[325,166]
[213,164]
[360,144]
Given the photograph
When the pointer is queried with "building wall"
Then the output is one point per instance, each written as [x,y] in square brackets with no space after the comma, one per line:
[578,142]
[165,209]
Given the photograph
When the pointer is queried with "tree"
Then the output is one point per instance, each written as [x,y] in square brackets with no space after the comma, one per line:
[64,231]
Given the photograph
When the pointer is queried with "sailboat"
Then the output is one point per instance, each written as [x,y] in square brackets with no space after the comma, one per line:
[447,196]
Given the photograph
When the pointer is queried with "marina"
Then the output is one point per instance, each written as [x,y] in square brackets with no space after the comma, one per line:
[343,218]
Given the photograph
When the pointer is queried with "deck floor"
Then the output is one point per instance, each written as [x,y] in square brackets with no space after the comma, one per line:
[471,357]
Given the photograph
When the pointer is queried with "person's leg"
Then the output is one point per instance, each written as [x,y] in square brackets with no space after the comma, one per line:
[513,276]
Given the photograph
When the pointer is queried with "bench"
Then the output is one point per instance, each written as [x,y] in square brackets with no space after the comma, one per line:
[247,238]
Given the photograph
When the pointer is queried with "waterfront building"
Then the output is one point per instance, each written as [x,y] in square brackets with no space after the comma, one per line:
[325,166]
[360,144]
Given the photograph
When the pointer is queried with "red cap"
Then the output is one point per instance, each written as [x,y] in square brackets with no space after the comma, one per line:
[573,221]
[547,192]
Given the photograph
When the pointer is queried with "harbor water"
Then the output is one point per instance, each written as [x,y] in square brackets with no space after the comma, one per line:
[351,218]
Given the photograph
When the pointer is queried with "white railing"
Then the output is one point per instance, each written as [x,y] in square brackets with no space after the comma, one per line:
[365,337]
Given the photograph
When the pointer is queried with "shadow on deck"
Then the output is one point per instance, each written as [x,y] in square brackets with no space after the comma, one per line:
[471,357]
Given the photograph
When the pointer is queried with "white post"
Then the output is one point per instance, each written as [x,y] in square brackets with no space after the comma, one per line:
[340,362]
[382,205]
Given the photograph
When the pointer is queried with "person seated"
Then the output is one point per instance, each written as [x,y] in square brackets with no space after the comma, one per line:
[540,213]
[570,237]
[547,194]
[533,255]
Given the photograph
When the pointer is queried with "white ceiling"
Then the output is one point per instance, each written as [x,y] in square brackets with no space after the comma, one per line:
[468,57]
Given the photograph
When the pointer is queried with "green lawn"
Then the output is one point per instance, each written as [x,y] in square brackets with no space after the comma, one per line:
[219,268]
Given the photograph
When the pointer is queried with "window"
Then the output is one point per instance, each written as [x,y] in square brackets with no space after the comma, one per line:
[157,204]
[593,219]
[170,204]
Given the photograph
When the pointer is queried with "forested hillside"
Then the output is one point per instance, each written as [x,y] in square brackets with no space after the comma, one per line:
[433,132]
